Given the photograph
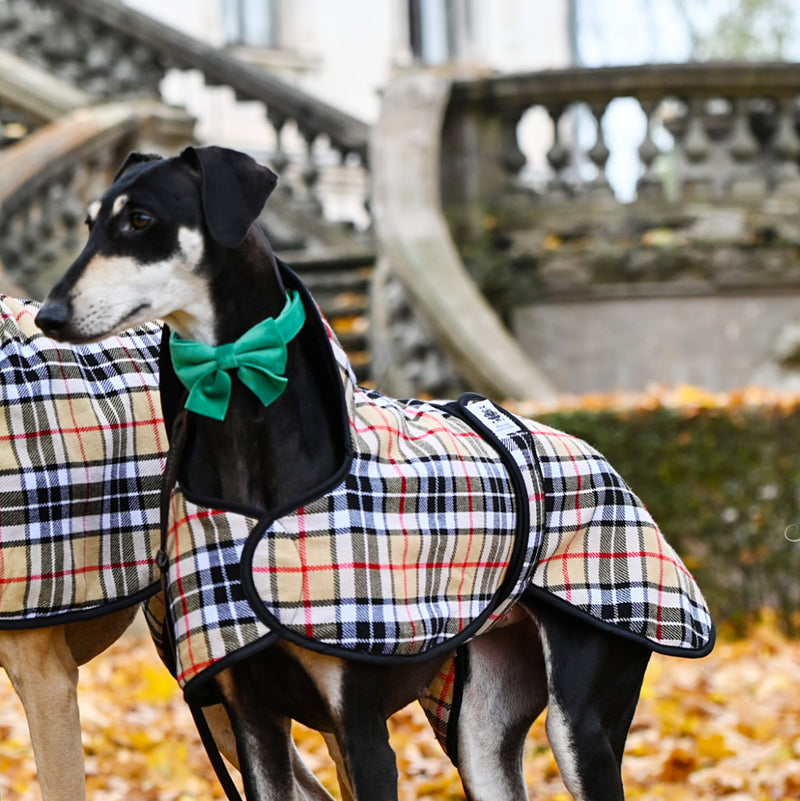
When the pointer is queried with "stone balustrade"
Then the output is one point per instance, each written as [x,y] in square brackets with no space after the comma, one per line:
[48,179]
[695,281]
[730,128]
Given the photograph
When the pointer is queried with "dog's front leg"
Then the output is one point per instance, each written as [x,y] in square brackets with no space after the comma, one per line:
[271,768]
[308,788]
[357,698]
[45,676]
[345,790]
[362,734]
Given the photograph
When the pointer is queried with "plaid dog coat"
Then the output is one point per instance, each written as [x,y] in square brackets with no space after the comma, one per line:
[441,517]
[82,450]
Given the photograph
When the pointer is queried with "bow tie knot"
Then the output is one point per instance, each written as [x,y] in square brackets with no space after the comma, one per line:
[225,356]
[259,357]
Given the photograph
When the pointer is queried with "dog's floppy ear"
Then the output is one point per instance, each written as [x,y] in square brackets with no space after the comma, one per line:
[134,159]
[234,189]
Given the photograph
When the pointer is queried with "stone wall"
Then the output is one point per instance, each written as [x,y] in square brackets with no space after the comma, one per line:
[720,343]
[609,297]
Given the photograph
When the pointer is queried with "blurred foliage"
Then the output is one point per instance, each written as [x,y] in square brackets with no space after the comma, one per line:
[721,479]
[749,29]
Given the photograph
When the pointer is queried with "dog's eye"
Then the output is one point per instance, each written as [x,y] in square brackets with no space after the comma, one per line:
[140,220]
[89,222]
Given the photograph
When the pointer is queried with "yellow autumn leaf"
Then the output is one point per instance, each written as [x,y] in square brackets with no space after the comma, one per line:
[712,746]
[155,684]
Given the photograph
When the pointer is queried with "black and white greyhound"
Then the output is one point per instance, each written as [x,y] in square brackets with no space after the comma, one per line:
[174,239]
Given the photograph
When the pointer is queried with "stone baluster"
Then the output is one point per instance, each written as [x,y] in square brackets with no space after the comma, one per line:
[649,185]
[512,159]
[786,146]
[743,146]
[309,173]
[697,181]
[279,161]
[599,152]
[558,154]
[747,179]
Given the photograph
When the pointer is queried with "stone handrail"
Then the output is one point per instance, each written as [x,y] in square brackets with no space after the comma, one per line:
[734,125]
[284,102]
[43,96]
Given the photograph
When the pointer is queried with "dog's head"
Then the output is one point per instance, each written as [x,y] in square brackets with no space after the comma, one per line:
[154,238]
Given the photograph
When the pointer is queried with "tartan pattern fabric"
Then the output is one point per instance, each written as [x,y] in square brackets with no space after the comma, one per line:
[410,547]
[438,702]
[401,556]
[603,554]
[413,544]
[212,617]
[82,449]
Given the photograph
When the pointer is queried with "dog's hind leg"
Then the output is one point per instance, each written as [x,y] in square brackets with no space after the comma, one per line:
[45,676]
[594,679]
[504,691]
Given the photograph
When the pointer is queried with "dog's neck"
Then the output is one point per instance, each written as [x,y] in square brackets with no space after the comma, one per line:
[261,456]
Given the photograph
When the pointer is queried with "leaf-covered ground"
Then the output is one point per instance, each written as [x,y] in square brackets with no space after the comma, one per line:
[727,726]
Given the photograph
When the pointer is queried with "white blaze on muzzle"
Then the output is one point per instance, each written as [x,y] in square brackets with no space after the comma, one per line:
[116,292]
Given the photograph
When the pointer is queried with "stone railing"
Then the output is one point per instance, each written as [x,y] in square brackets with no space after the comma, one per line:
[111,52]
[703,268]
[732,128]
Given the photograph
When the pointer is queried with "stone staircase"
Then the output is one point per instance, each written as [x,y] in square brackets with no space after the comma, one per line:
[341,288]
[62,136]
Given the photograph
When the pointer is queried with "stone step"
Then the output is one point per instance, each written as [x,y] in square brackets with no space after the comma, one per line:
[341,286]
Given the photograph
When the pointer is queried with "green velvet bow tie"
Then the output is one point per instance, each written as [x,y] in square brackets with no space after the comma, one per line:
[259,356]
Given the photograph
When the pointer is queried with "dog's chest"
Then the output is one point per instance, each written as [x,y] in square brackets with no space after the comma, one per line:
[82,449]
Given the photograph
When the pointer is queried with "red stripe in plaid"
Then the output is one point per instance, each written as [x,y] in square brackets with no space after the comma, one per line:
[304,569]
[437,703]
[180,522]
[79,571]
[655,555]
[155,422]
[404,566]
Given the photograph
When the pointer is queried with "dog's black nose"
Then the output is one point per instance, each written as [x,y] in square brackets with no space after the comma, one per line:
[52,318]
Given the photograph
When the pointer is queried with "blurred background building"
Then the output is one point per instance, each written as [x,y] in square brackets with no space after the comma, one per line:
[608,188]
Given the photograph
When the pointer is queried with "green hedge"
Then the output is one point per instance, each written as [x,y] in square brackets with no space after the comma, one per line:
[724,486]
